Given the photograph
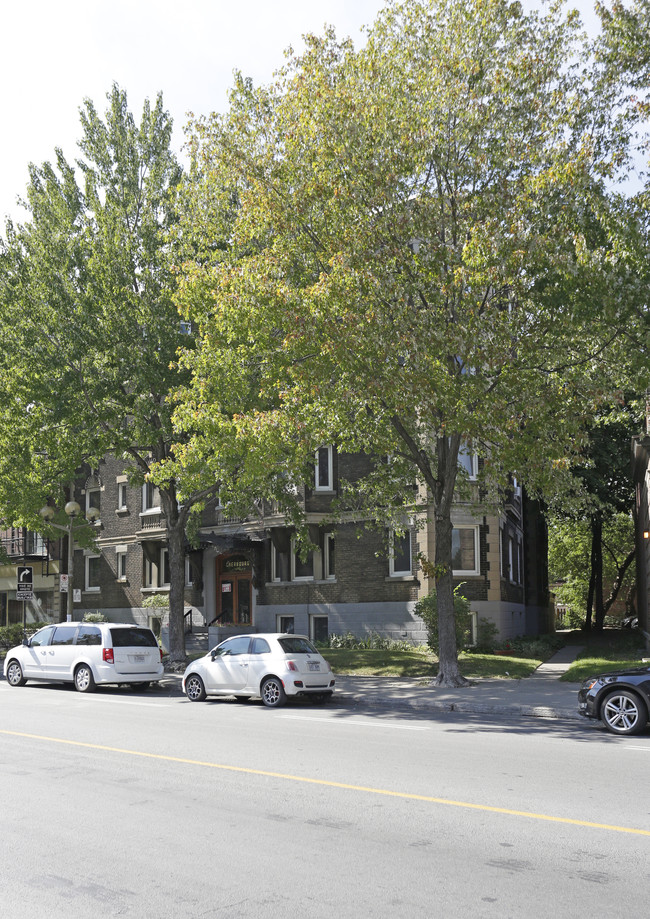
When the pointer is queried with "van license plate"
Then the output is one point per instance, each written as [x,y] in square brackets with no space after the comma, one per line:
[138,658]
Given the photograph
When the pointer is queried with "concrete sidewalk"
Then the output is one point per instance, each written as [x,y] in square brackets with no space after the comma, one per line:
[541,695]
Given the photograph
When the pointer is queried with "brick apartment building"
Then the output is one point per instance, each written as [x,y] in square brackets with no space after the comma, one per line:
[247,572]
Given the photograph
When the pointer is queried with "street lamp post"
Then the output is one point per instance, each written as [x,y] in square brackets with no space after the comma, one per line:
[73,510]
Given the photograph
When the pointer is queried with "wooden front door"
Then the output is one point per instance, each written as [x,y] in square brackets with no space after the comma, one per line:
[234,590]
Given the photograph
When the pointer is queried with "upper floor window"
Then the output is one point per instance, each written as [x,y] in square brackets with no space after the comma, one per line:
[329,570]
[400,554]
[150,497]
[468,461]
[301,569]
[465,550]
[122,495]
[93,499]
[324,471]
[92,566]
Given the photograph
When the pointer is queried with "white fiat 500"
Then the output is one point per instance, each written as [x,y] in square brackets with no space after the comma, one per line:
[87,654]
[272,666]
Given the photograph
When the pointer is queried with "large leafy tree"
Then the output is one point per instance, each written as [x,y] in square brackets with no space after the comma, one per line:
[418,255]
[89,328]
[591,539]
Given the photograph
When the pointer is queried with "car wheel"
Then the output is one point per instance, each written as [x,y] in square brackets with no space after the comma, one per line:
[15,674]
[272,692]
[623,712]
[84,681]
[194,688]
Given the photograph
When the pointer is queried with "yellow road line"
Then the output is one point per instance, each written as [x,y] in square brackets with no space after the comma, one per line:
[324,782]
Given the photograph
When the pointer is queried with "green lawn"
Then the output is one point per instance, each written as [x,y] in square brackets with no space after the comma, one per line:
[614,649]
[422,663]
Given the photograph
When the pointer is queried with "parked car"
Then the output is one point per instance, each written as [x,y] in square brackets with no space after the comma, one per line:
[621,700]
[86,654]
[271,666]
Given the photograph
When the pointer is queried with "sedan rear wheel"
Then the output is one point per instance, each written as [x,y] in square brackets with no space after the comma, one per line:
[15,674]
[272,692]
[84,680]
[194,688]
[623,712]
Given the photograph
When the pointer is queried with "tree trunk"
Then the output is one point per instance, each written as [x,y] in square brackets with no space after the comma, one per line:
[176,548]
[448,672]
[597,566]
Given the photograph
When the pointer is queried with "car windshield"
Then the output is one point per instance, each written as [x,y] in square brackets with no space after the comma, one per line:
[297,646]
[133,638]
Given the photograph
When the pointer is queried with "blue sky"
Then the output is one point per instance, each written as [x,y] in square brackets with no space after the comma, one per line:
[56,54]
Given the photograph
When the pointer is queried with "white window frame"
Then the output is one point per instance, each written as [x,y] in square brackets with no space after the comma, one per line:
[328,538]
[148,574]
[330,469]
[155,496]
[189,582]
[88,556]
[392,570]
[460,572]
[275,577]
[164,554]
[473,463]
[302,577]
[120,562]
[312,624]
[122,492]
[278,622]
[94,490]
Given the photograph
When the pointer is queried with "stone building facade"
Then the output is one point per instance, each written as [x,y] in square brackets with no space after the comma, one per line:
[249,574]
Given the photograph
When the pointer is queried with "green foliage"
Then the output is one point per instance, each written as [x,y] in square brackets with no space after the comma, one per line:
[12,635]
[570,558]
[487,635]
[373,641]
[94,617]
[398,244]
[427,610]
[156,601]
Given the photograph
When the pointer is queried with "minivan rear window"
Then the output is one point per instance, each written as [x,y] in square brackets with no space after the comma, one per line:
[133,638]
[297,646]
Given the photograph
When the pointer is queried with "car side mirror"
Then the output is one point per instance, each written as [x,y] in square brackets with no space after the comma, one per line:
[213,654]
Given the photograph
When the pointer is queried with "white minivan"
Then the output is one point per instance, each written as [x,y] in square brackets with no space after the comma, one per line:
[86,654]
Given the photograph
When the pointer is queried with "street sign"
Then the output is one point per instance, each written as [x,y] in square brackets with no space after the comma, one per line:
[63,583]
[25,583]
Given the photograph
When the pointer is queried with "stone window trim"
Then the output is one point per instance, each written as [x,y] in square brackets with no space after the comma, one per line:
[90,556]
[475,571]
[396,568]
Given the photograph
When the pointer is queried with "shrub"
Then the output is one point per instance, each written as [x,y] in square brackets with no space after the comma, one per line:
[12,635]
[94,617]
[427,610]
[155,601]
[370,642]
[487,636]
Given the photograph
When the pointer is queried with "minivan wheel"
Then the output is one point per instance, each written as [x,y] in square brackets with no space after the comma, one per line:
[623,712]
[194,688]
[15,674]
[84,680]
[272,693]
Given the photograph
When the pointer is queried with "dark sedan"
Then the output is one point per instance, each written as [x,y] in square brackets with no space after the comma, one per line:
[621,700]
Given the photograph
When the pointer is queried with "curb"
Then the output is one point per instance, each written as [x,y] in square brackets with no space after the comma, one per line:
[171,681]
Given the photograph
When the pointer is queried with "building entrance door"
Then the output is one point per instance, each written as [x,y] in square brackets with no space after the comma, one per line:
[234,590]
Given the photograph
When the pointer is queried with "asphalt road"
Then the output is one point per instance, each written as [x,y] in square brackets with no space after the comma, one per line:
[145,805]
